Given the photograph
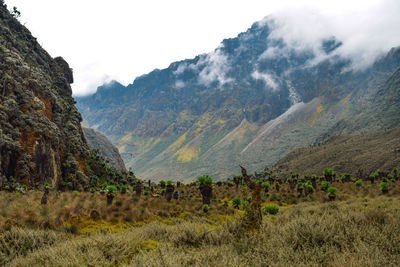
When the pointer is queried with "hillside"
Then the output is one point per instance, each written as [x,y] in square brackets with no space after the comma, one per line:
[99,141]
[344,153]
[249,102]
[41,139]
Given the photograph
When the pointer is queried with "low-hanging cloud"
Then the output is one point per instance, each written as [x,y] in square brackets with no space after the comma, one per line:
[366,31]
[267,78]
[179,84]
[216,68]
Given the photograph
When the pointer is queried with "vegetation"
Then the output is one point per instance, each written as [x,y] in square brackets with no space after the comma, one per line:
[236,202]
[271,209]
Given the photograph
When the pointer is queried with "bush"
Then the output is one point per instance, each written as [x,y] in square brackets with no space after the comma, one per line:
[310,188]
[358,182]
[266,186]
[169,182]
[111,189]
[236,202]
[325,185]
[162,183]
[384,186]
[204,180]
[123,188]
[332,191]
[271,209]
[146,193]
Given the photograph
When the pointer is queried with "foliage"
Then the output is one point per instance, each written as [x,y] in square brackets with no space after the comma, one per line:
[332,190]
[123,188]
[325,185]
[111,189]
[384,185]
[358,182]
[236,202]
[204,180]
[266,186]
[270,209]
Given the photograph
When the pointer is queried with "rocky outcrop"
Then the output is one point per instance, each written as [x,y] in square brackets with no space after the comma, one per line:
[99,141]
[41,139]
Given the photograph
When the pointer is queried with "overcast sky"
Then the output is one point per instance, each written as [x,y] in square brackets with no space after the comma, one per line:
[122,39]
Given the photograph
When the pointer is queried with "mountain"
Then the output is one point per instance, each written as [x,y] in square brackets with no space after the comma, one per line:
[41,139]
[99,141]
[373,151]
[249,102]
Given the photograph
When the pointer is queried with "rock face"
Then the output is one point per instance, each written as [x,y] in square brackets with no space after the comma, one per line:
[249,102]
[41,139]
[99,141]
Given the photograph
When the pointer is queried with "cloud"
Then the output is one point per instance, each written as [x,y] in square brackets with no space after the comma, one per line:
[267,78]
[179,84]
[216,66]
[366,29]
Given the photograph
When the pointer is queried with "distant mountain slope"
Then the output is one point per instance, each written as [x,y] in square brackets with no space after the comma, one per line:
[99,141]
[250,101]
[346,153]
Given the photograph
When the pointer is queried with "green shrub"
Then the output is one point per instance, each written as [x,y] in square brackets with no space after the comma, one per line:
[162,182]
[169,182]
[271,209]
[358,182]
[236,202]
[310,188]
[123,188]
[204,180]
[328,171]
[111,189]
[266,186]
[146,193]
[325,185]
[384,186]
[332,190]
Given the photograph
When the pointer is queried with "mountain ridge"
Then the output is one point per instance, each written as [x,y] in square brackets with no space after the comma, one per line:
[171,122]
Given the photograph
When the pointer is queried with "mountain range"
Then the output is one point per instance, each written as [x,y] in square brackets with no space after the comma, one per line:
[249,102]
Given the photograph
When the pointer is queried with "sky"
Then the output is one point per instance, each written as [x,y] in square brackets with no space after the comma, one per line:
[122,39]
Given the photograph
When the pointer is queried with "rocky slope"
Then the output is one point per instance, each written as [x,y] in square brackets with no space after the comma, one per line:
[249,102]
[100,142]
[41,139]
[344,153]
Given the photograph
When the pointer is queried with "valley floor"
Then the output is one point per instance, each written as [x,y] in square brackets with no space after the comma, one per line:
[360,228]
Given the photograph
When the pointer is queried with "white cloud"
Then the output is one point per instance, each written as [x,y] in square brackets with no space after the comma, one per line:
[267,78]
[181,69]
[179,84]
[216,65]
[366,30]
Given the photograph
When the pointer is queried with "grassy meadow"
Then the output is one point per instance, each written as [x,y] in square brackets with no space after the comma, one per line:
[360,227]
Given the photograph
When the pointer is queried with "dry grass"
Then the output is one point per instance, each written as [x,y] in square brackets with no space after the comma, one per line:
[360,232]
[361,228]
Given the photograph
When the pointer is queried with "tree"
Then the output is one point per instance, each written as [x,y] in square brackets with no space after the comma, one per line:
[15,13]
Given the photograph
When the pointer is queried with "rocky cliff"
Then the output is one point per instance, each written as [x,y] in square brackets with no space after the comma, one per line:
[100,142]
[41,139]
